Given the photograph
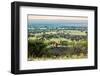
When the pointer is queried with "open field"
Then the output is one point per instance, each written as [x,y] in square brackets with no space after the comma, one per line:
[57,44]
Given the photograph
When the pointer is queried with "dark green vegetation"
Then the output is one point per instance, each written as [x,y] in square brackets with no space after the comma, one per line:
[46,44]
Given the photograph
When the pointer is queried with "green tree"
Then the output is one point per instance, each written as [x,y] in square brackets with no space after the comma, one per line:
[36,48]
[65,43]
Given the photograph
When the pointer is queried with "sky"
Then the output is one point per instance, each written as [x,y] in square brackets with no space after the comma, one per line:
[44,20]
[30,17]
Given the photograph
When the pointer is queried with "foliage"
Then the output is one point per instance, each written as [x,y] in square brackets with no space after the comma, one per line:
[36,48]
[46,44]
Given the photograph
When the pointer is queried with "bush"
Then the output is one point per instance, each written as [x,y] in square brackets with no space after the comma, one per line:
[65,43]
[36,48]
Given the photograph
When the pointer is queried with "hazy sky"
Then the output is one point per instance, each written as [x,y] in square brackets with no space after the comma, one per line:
[56,19]
[30,17]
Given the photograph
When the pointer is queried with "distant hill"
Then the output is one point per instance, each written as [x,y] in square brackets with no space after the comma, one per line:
[56,24]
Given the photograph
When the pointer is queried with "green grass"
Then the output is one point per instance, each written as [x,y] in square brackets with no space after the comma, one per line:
[58,58]
[71,32]
[63,42]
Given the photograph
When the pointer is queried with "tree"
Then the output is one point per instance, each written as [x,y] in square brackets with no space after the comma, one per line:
[64,43]
[80,47]
[36,48]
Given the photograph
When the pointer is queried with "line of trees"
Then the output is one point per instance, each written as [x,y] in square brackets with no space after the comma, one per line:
[38,48]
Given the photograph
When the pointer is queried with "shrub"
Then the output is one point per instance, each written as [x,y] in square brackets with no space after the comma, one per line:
[36,48]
